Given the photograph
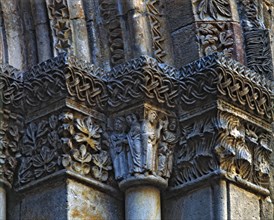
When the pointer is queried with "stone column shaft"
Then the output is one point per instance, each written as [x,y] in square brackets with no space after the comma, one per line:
[143,202]
[2,202]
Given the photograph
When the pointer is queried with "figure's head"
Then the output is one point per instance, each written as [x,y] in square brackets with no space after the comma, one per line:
[172,124]
[152,115]
[119,124]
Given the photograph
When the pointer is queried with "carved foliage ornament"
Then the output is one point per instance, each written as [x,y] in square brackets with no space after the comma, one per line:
[222,142]
[214,9]
[215,37]
[62,141]
[11,129]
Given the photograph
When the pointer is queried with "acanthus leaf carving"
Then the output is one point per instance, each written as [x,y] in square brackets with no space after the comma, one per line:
[213,9]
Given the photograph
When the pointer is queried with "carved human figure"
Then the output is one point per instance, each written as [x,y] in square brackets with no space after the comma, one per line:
[134,141]
[166,147]
[118,148]
[151,134]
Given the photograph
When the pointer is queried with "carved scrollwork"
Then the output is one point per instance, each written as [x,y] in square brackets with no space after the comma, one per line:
[215,37]
[143,146]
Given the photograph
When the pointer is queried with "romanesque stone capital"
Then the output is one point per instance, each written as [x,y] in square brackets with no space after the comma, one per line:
[225,121]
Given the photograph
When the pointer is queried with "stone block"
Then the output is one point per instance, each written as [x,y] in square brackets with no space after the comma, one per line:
[179,14]
[85,202]
[45,202]
[243,204]
[193,205]
[184,42]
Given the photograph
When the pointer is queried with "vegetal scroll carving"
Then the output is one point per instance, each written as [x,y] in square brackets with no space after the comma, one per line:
[215,37]
[63,142]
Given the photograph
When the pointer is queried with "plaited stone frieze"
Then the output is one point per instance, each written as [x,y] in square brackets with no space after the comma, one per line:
[156,26]
[228,80]
[109,11]
[62,77]
[59,15]
[139,79]
[212,9]
[62,141]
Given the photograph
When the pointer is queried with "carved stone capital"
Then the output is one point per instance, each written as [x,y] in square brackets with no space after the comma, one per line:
[142,141]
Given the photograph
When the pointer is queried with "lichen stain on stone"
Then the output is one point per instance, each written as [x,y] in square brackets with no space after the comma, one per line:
[83,214]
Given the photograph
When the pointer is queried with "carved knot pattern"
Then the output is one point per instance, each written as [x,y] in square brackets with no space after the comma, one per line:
[46,87]
[155,23]
[86,88]
[215,37]
[59,14]
[141,79]
[198,89]
[143,146]
[11,91]
[109,13]
[63,142]
[245,93]
[214,9]
[223,142]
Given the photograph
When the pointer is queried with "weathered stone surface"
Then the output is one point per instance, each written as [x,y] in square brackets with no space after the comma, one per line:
[196,204]
[248,207]
[142,202]
[54,200]
[86,202]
